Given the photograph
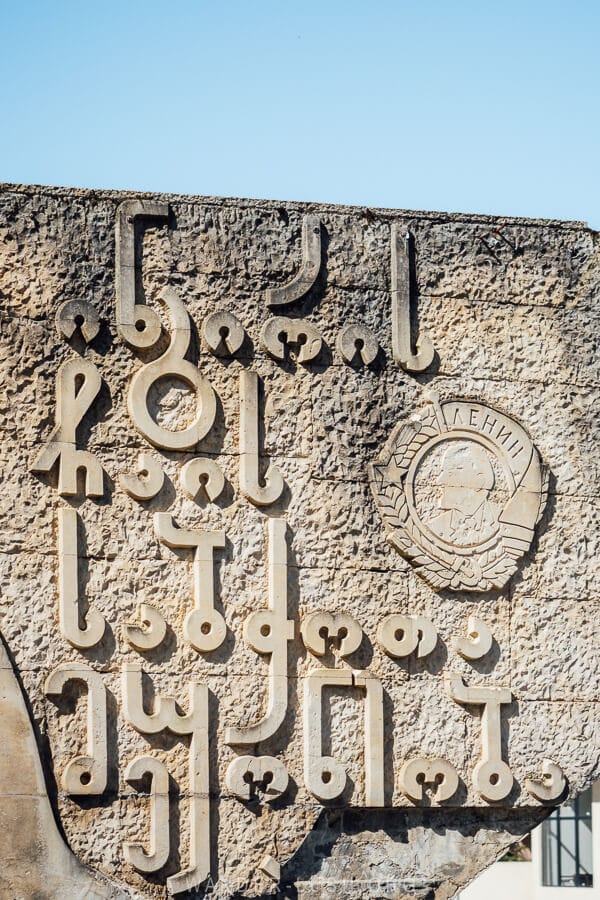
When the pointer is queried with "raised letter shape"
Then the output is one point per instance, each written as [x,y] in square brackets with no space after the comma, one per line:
[248,775]
[402,635]
[85,774]
[195,722]
[172,364]
[357,341]
[320,628]
[77,385]
[69,616]
[552,784]
[324,776]
[138,325]
[268,631]
[440,774]
[223,333]
[278,332]
[134,852]
[309,271]
[148,480]
[204,626]
[478,642]
[401,296]
[261,495]
[151,630]
[73,314]
[202,474]
[491,776]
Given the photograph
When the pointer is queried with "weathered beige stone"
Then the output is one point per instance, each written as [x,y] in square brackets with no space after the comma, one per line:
[194,391]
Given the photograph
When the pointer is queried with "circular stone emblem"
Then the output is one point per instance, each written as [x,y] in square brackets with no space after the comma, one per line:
[461,489]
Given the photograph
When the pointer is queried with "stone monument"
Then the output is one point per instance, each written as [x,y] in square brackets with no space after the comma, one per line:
[299,544]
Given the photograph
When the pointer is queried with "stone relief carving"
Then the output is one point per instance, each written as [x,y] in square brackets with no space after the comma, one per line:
[78,383]
[461,490]
[309,270]
[85,774]
[137,324]
[172,364]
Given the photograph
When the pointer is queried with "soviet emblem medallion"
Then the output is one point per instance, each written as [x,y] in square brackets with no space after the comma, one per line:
[461,489]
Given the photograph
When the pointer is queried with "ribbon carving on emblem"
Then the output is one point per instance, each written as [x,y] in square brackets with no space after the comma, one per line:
[461,489]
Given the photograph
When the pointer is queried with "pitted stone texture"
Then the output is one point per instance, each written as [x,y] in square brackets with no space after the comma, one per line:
[512,309]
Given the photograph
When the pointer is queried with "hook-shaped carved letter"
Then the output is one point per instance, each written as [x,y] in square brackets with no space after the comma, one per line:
[204,627]
[401,297]
[194,723]
[69,615]
[324,776]
[85,774]
[268,631]
[149,632]
[172,364]
[478,641]
[261,495]
[134,852]
[77,385]
[491,776]
[309,270]
[148,480]
[550,787]
[138,325]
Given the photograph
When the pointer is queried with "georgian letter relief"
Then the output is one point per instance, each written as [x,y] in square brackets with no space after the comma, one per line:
[148,480]
[402,635]
[478,641]
[223,333]
[402,248]
[149,632]
[324,776]
[250,486]
[199,475]
[69,615]
[438,774]
[172,364]
[74,314]
[279,333]
[78,383]
[158,854]
[249,775]
[322,628]
[137,325]
[85,774]
[357,343]
[268,631]
[204,627]
[551,786]
[309,270]
[491,776]
[194,723]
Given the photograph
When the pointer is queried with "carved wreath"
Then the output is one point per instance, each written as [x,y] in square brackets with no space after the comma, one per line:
[479,566]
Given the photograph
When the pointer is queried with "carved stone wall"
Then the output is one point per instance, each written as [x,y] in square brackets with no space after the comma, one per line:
[299,549]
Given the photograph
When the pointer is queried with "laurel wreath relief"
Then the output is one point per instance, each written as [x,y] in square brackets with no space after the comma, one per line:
[483,569]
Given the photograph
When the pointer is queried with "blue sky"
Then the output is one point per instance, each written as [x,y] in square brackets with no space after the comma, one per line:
[462,106]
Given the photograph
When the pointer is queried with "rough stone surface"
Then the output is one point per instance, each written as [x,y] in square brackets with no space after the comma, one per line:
[511,307]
